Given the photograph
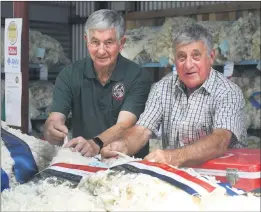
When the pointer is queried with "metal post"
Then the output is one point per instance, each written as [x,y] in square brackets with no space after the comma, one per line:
[20,10]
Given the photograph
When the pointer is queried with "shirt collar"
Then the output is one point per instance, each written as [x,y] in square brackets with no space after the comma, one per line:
[207,85]
[117,74]
[210,81]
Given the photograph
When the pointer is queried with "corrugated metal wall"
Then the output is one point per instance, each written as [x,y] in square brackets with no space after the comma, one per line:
[83,9]
[158,5]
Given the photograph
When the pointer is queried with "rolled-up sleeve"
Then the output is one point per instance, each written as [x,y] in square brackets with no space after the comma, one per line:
[230,115]
[152,115]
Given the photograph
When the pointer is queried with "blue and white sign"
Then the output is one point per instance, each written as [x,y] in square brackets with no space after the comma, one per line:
[13,35]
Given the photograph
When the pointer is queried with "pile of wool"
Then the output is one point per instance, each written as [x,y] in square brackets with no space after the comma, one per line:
[256,45]
[42,151]
[41,97]
[240,37]
[137,43]
[162,42]
[54,53]
[118,191]
[249,84]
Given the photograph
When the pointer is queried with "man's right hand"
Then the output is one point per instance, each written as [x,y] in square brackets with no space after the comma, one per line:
[119,146]
[55,133]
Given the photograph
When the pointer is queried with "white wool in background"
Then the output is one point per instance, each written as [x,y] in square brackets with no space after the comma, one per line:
[162,41]
[138,41]
[249,84]
[240,38]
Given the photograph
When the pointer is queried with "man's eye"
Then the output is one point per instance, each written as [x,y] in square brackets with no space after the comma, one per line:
[109,43]
[94,42]
[196,56]
[181,57]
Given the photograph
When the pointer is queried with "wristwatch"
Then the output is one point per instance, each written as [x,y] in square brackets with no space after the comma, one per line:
[98,141]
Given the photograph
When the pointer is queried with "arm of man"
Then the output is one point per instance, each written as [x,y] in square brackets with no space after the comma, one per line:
[55,129]
[228,128]
[136,137]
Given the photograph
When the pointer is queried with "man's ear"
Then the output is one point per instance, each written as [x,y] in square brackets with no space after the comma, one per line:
[123,40]
[213,56]
[85,38]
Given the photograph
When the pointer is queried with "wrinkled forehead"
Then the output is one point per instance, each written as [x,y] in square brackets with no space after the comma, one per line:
[102,34]
[198,46]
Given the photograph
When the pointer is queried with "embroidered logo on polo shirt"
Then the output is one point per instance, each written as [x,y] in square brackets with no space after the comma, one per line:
[118,91]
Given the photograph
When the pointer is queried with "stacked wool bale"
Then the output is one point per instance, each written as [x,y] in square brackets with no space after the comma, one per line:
[162,42]
[250,84]
[42,94]
[112,191]
[137,43]
[240,38]
[256,44]
[54,50]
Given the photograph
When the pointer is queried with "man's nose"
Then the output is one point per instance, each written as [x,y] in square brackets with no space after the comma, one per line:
[189,63]
[101,48]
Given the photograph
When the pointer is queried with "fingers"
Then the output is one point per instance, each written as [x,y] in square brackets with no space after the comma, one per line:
[73,143]
[61,128]
[119,146]
[106,152]
[87,148]
[150,157]
[57,132]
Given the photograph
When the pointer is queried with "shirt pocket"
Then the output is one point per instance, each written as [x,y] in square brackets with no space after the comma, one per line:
[190,132]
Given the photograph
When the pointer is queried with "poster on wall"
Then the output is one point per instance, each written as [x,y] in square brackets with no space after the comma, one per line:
[13,91]
[12,68]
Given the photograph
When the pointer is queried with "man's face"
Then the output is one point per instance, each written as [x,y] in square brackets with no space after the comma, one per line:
[104,47]
[193,63]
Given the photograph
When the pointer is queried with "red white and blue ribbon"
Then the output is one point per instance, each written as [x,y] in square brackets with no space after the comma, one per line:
[188,181]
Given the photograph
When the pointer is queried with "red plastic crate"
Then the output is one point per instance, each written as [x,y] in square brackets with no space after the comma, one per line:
[240,167]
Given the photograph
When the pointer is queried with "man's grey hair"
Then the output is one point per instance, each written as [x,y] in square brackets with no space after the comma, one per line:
[193,33]
[105,19]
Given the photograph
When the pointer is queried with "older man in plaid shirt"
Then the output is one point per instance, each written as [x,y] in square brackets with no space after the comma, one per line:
[201,112]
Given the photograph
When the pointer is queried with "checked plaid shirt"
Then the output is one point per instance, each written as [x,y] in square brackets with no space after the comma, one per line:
[217,104]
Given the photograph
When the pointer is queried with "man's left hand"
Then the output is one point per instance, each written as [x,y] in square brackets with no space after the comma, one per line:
[87,148]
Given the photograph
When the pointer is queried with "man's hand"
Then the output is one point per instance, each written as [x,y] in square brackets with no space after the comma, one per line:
[56,132]
[87,148]
[119,146]
[170,157]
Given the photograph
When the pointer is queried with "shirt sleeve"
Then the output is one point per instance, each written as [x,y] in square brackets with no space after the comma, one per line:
[152,115]
[62,95]
[230,115]
[136,97]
